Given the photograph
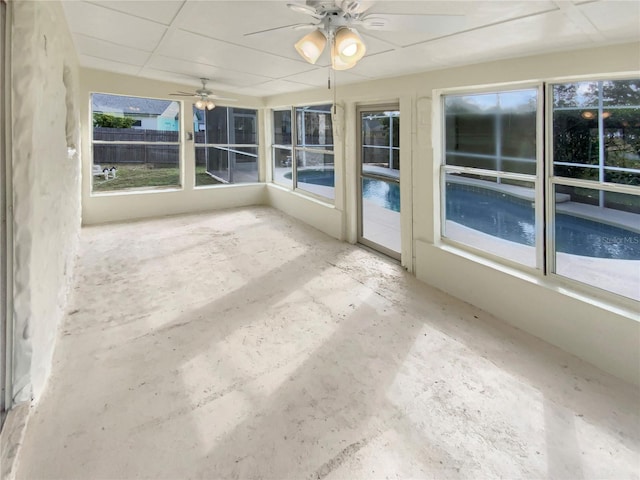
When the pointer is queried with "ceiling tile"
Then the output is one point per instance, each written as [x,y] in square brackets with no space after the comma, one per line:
[273,87]
[189,46]
[319,77]
[218,76]
[98,22]
[527,36]
[162,12]
[475,14]
[232,20]
[108,65]
[614,19]
[186,80]
[109,51]
[398,62]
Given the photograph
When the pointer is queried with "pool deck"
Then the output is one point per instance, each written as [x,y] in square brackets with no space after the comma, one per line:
[609,216]
[618,276]
[381,225]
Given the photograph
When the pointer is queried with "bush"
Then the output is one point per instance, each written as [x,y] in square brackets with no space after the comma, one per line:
[111,121]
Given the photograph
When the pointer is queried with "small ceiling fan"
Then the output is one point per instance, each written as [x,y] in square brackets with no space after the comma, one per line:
[204,95]
[337,21]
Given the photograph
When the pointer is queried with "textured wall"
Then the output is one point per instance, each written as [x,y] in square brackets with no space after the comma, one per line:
[46,181]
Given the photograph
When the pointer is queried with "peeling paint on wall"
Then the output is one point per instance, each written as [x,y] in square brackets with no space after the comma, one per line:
[46,180]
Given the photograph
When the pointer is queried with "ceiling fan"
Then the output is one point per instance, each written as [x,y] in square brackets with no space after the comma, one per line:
[204,95]
[337,21]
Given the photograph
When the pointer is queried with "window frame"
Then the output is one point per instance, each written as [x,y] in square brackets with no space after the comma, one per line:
[551,180]
[294,148]
[546,181]
[229,147]
[283,146]
[536,179]
[140,190]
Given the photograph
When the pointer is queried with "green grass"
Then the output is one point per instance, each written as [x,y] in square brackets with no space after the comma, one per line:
[203,178]
[132,177]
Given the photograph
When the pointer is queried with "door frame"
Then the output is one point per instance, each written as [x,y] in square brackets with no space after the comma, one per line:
[6,217]
[392,106]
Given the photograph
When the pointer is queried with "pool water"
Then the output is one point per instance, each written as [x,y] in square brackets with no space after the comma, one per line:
[315,176]
[512,219]
[504,216]
[384,194]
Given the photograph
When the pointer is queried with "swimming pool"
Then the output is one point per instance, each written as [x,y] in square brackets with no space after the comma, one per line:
[512,218]
[504,216]
[383,194]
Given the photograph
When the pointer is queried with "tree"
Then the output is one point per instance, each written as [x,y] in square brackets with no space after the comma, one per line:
[111,121]
[564,95]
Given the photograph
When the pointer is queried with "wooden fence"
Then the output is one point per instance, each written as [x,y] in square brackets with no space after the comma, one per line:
[158,155]
[117,153]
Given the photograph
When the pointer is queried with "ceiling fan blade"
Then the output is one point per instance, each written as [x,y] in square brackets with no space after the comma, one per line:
[412,23]
[306,9]
[355,7]
[215,97]
[293,25]
[183,94]
[305,26]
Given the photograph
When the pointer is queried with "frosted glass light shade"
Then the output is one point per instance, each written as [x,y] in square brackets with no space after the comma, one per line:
[200,104]
[210,105]
[311,46]
[337,63]
[349,46]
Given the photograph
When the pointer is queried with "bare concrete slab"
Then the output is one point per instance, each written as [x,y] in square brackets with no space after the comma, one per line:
[243,344]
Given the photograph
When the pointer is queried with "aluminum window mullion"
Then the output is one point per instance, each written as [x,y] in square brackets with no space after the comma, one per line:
[315,150]
[593,185]
[121,142]
[585,165]
[540,185]
[549,198]
[294,148]
[222,145]
[593,107]
[491,173]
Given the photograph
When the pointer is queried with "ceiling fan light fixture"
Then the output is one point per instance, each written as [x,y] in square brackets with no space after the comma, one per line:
[311,46]
[349,46]
[210,105]
[337,63]
[200,104]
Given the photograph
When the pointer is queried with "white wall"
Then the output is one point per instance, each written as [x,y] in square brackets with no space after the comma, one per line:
[605,334]
[101,207]
[46,184]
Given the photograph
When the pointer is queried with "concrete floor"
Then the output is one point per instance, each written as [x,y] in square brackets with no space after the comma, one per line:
[243,344]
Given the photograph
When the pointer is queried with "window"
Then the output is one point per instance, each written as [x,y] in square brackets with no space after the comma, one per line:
[380,141]
[282,148]
[492,175]
[226,143]
[309,140]
[489,175]
[595,209]
[136,143]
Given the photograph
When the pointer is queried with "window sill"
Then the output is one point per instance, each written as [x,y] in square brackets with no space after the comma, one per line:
[146,191]
[221,186]
[326,202]
[596,297]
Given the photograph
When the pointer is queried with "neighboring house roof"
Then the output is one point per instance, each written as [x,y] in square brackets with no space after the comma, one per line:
[105,103]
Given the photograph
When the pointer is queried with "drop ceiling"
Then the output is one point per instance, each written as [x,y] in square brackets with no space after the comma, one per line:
[182,40]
